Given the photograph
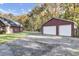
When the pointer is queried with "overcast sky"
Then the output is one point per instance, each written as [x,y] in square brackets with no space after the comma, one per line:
[16,8]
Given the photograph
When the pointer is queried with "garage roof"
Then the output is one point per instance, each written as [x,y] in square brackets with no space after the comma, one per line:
[56,21]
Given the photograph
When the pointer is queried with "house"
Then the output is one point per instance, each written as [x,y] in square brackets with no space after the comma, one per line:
[58,27]
[9,26]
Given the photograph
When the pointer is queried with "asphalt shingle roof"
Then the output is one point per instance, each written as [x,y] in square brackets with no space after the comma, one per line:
[10,22]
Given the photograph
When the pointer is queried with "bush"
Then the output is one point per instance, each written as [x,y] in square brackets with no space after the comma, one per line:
[2,32]
[76,33]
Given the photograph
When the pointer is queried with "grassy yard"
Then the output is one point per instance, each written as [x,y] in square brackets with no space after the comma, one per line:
[7,37]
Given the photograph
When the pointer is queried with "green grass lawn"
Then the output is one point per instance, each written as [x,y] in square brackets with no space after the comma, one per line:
[7,37]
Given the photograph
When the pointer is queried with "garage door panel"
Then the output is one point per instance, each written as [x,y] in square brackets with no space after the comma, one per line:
[65,30]
[49,30]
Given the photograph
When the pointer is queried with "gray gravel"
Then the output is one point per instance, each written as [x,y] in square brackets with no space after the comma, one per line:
[33,46]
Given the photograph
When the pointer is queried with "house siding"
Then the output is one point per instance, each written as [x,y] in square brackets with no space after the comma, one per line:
[9,26]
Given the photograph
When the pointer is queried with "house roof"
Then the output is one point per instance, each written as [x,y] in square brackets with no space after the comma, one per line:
[57,21]
[9,22]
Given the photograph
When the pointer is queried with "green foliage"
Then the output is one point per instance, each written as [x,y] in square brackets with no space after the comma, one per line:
[2,31]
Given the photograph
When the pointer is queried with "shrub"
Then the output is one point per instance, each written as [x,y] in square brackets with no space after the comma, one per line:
[2,32]
[76,32]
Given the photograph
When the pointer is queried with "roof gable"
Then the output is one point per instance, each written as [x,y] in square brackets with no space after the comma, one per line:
[55,21]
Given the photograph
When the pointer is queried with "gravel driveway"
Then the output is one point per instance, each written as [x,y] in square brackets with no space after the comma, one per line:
[40,45]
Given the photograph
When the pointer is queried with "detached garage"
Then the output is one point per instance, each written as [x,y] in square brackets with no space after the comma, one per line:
[58,27]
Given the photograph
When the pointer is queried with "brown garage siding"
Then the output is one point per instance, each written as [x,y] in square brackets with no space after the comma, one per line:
[57,30]
[72,29]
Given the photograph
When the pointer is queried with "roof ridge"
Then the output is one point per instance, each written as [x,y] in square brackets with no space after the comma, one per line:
[63,19]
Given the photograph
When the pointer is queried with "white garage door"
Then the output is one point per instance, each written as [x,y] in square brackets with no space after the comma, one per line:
[49,30]
[65,30]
